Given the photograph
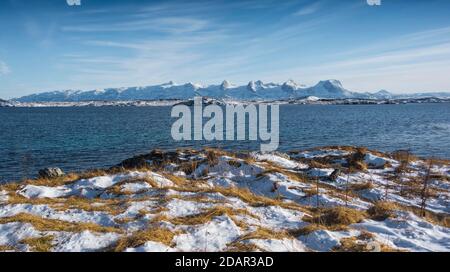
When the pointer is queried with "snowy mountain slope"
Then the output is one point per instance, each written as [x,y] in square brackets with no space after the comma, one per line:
[329,89]
[442,95]
[5,103]
[254,90]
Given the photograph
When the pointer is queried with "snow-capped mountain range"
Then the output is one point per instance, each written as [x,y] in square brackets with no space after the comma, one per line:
[255,90]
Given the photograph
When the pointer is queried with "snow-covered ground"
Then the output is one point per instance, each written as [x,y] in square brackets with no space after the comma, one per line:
[216,201]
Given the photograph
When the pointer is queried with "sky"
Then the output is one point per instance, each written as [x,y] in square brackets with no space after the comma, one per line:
[401,45]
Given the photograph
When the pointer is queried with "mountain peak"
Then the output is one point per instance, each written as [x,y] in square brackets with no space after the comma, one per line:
[330,83]
[168,84]
[290,85]
[225,85]
[383,92]
[191,85]
[251,86]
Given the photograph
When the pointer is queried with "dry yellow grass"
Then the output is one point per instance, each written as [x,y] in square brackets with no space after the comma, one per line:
[111,206]
[125,220]
[10,187]
[309,192]
[117,189]
[155,210]
[317,164]
[189,167]
[351,244]
[44,224]
[208,215]
[200,198]
[356,160]
[40,244]
[366,236]
[139,238]
[271,168]
[382,210]
[336,217]
[441,219]
[4,248]
[361,186]
[264,233]
[243,247]
[305,230]
[160,218]
[243,194]
[212,157]
[254,200]
[67,179]
[354,244]
[404,155]
[177,180]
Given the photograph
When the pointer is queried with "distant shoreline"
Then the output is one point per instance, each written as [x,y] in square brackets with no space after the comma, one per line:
[159,103]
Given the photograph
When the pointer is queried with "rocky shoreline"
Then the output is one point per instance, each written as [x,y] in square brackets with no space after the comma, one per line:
[323,199]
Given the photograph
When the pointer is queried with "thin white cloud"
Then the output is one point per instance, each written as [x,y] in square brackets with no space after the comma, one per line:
[419,69]
[309,9]
[415,55]
[4,69]
[211,49]
[165,25]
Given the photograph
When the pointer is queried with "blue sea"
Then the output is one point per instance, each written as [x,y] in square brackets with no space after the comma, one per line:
[81,138]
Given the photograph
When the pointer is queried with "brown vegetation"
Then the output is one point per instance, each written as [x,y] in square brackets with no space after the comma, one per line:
[361,186]
[139,238]
[382,210]
[40,244]
[356,160]
[45,224]
[264,233]
[242,247]
[336,217]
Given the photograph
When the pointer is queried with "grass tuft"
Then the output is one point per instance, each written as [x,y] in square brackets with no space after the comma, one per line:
[242,247]
[139,238]
[382,210]
[264,233]
[40,244]
[5,248]
[356,161]
[208,215]
[336,217]
[44,224]
[361,186]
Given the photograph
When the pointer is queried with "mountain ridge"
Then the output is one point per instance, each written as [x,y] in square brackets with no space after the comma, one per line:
[254,90]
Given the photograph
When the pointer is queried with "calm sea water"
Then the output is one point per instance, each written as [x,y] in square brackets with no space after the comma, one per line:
[85,138]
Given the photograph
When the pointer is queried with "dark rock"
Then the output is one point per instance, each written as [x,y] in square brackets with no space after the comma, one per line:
[275,187]
[333,177]
[49,173]
[156,158]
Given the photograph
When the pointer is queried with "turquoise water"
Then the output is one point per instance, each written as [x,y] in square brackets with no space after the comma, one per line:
[84,138]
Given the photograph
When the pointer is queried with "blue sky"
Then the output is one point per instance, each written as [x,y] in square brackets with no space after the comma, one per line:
[401,46]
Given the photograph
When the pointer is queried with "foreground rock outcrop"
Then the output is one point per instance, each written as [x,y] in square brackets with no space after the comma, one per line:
[325,199]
